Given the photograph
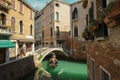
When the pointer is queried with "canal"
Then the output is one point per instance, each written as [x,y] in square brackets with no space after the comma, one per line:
[66,70]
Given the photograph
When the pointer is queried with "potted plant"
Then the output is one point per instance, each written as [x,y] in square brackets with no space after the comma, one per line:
[93,25]
[87,35]
[115,9]
[111,11]
[85,2]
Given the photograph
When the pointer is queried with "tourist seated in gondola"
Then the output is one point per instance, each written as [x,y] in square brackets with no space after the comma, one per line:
[53,61]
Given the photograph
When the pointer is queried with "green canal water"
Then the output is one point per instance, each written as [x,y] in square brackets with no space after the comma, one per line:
[67,70]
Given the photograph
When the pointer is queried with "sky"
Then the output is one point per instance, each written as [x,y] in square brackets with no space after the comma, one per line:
[39,4]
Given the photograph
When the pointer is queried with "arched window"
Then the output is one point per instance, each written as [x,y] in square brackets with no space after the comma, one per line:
[75,13]
[57,31]
[13,23]
[21,27]
[31,29]
[3,19]
[75,31]
[57,16]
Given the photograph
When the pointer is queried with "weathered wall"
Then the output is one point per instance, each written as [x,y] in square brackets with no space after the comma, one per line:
[15,70]
[105,53]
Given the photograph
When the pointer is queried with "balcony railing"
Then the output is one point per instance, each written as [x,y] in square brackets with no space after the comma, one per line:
[5,5]
[5,31]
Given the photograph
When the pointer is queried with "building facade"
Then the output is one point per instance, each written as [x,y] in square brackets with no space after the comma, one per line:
[21,20]
[5,32]
[78,24]
[103,41]
[53,24]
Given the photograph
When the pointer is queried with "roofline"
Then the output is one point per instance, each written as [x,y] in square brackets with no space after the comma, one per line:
[76,2]
[28,5]
[53,1]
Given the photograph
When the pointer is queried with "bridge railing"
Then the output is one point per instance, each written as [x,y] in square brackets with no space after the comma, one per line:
[48,46]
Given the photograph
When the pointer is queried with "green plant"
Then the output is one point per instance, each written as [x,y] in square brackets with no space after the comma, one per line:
[108,8]
[105,11]
[93,22]
[102,15]
[84,34]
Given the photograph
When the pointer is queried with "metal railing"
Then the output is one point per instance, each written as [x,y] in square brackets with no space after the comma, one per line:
[5,30]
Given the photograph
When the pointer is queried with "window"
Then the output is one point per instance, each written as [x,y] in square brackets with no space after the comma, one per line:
[51,31]
[31,29]
[21,27]
[101,31]
[13,24]
[13,4]
[21,7]
[83,48]
[104,3]
[31,14]
[91,12]
[57,31]
[87,19]
[75,31]
[42,34]
[93,69]
[104,75]
[57,16]
[75,14]
[2,19]
[57,4]
[51,18]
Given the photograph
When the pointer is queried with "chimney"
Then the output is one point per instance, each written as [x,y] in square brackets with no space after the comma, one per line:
[46,3]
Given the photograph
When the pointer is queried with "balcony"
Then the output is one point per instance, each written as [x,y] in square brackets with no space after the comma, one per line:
[5,4]
[115,10]
[113,14]
[5,30]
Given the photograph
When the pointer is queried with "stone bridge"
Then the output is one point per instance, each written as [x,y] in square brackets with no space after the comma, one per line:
[43,52]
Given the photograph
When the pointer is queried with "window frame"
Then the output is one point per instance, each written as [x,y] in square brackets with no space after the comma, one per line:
[101,32]
[13,4]
[75,13]
[21,7]
[21,30]
[57,16]
[108,73]
[31,30]
[76,31]
[13,27]
[92,60]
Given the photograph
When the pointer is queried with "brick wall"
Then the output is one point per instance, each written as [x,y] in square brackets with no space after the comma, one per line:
[16,69]
[105,53]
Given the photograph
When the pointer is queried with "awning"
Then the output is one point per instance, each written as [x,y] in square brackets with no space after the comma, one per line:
[26,40]
[6,44]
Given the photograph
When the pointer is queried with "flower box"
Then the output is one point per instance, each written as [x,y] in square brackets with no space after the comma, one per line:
[93,25]
[113,13]
[115,10]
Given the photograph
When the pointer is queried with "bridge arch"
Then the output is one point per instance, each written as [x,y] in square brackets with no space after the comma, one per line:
[50,50]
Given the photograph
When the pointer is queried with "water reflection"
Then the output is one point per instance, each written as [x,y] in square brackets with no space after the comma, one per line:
[65,70]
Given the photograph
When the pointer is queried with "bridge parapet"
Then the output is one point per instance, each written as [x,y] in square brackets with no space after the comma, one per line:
[43,52]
